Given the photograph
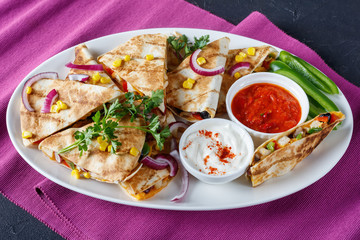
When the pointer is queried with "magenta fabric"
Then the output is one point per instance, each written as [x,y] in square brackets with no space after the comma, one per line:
[33,31]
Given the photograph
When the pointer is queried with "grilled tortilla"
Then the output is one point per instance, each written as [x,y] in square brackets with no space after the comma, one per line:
[81,99]
[101,165]
[259,62]
[146,183]
[290,147]
[84,57]
[202,99]
[139,74]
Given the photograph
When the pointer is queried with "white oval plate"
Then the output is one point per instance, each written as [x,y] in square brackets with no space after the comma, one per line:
[200,196]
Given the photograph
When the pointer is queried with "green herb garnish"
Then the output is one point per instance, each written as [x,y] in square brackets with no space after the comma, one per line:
[135,106]
[182,43]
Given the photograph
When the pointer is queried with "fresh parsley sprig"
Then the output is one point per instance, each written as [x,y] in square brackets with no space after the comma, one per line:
[135,106]
[182,43]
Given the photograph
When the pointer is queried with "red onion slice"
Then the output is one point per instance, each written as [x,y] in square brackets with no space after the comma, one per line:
[154,163]
[31,81]
[170,161]
[79,77]
[237,67]
[184,177]
[49,100]
[175,126]
[203,71]
[94,67]
[58,158]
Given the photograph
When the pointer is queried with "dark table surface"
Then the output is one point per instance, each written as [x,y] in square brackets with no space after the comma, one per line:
[329,27]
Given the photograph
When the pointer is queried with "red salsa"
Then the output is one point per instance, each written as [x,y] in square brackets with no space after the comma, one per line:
[266,107]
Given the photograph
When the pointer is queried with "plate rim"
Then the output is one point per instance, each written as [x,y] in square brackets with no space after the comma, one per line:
[148,204]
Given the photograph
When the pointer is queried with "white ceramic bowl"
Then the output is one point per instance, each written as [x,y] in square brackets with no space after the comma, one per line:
[240,134]
[266,77]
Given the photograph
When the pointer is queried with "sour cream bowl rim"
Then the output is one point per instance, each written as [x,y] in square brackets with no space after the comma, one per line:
[272,78]
[216,179]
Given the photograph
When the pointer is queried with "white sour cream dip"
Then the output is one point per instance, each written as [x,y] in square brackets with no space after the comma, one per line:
[215,150]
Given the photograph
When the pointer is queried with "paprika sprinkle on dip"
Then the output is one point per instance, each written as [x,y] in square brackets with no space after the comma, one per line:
[215,150]
[266,107]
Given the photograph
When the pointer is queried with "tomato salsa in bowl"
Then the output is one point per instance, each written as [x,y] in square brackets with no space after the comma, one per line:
[266,104]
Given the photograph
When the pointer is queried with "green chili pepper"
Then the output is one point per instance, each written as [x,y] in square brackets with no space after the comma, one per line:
[325,79]
[296,65]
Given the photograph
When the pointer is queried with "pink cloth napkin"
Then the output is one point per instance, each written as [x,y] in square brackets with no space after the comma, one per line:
[31,32]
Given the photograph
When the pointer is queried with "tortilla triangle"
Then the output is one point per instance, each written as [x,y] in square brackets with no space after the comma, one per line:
[84,57]
[204,95]
[81,99]
[101,165]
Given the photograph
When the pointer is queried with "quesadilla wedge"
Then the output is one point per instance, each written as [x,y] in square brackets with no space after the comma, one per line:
[146,183]
[84,57]
[101,165]
[139,64]
[201,100]
[259,62]
[280,154]
[80,100]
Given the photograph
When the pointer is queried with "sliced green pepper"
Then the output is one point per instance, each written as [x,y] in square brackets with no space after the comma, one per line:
[295,64]
[325,79]
[314,130]
[314,108]
[145,150]
[299,136]
[308,87]
[271,146]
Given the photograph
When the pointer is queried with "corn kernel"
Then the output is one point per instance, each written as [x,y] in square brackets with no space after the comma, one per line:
[105,80]
[251,51]
[242,54]
[109,148]
[239,58]
[187,84]
[87,175]
[117,63]
[127,58]
[190,80]
[75,173]
[103,146]
[61,105]
[200,60]
[26,134]
[28,90]
[100,139]
[54,109]
[237,75]
[134,151]
[149,57]
[96,77]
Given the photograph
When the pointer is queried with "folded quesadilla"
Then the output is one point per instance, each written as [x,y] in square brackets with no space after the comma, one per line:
[84,57]
[146,183]
[280,154]
[201,100]
[259,62]
[139,64]
[81,100]
[101,165]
